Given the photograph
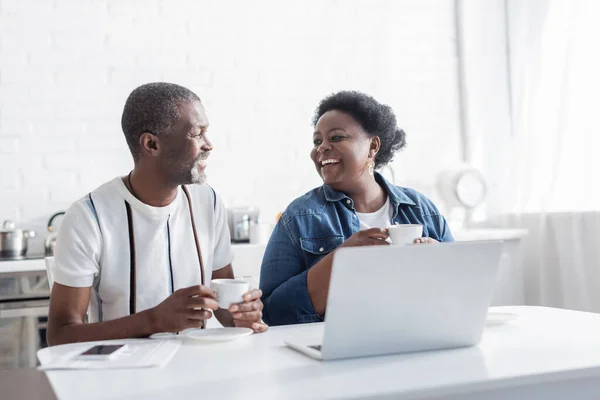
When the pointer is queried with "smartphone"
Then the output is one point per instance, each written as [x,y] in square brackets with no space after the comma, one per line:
[102,352]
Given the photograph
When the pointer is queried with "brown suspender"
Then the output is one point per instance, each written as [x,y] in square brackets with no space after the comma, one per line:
[187,195]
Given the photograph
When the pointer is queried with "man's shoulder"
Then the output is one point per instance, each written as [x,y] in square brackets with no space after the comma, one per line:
[203,195]
[107,189]
[87,205]
[85,202]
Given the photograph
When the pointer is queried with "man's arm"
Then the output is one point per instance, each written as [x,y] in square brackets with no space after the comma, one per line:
[66,319]
[78,250]
[185,308]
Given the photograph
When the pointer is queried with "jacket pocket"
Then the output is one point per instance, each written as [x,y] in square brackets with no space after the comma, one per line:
[321,246]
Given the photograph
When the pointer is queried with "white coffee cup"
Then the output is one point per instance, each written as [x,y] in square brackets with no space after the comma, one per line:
[229,291]
[405,233]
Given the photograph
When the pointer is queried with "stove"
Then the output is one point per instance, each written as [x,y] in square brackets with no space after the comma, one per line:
[34,256]
[18,287]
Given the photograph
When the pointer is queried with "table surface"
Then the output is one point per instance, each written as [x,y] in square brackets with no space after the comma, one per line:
[30,384]
[542,353]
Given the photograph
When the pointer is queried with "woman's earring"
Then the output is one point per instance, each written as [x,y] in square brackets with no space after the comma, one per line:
[371,165]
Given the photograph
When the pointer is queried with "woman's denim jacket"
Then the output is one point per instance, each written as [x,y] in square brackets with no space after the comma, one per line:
[314,225]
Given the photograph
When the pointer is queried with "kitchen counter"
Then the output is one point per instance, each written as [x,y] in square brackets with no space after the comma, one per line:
[22,266]
[248,258]
[467,235]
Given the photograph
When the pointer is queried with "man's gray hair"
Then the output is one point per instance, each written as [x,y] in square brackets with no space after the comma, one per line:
[152,108]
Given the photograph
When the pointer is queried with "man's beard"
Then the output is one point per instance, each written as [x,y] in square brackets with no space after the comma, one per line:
[185,175]
[196,176]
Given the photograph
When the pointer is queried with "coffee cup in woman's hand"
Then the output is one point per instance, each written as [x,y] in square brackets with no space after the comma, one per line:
[404,234]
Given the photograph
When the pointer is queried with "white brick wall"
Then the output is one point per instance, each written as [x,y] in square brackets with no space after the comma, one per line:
[66,67]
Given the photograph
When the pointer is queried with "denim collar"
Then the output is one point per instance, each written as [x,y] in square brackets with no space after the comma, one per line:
[395,194]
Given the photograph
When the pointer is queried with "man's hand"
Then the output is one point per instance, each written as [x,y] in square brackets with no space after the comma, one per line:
[249,313]
[425,240]
[368,237]
[185,308]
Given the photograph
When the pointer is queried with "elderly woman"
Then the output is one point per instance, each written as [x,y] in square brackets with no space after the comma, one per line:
[354,136]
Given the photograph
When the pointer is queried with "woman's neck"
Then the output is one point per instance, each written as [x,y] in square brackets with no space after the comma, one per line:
[369,197]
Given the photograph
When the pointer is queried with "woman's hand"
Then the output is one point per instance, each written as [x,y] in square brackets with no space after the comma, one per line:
[368,237]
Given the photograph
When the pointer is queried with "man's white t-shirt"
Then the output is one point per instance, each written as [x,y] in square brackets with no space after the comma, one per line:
[381,218]
[93,247]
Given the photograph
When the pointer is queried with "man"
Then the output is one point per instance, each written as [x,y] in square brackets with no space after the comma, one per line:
[137,254]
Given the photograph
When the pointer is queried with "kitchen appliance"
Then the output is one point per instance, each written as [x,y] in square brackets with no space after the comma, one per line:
[462,189]
[50,242]
[13,241]
[240,219]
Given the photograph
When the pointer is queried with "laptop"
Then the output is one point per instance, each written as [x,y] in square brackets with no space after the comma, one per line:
[400,299]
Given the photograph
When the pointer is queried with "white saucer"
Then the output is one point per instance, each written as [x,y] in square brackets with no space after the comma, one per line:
[171,335]
[499,318]
[218,334]
[166,336]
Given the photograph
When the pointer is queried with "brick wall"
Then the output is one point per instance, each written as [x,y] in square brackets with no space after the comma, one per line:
[260,67]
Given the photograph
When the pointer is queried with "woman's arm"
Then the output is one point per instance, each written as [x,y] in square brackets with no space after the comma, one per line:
[283,280]
[293,293]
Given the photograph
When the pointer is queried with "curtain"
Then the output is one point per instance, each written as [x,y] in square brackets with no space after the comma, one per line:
[551,182]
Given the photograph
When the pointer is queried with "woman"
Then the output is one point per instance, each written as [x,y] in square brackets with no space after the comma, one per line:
[354,135]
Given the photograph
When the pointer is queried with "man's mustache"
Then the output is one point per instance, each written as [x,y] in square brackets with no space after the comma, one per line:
[202,156]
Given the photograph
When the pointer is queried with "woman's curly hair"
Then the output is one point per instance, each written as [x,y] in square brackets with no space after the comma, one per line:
[375,118]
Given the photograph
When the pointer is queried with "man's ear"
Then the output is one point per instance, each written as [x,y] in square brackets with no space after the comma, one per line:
[150,144]
[374,146]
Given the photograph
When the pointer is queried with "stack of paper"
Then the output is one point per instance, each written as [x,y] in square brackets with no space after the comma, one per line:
[140,353]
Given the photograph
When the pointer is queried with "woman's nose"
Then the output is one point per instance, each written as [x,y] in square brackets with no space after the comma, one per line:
[323,147]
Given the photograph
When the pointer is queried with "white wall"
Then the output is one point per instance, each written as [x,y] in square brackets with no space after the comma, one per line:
[66,67]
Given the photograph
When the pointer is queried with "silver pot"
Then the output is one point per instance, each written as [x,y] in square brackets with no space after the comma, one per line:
[13,242]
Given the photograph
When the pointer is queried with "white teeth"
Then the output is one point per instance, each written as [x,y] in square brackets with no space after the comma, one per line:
[329,161]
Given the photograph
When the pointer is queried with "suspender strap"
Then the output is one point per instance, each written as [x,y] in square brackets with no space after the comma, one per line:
[132,258]
[132,266]
[187,195]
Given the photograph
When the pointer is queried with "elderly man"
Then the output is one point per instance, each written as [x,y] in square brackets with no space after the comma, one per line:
[137,253]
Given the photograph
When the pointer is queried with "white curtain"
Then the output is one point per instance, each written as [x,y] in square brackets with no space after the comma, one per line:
[552,173]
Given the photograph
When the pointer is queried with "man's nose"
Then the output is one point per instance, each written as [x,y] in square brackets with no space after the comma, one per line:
[207,146]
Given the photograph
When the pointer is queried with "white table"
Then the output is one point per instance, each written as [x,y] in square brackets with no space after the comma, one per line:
[545,353]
